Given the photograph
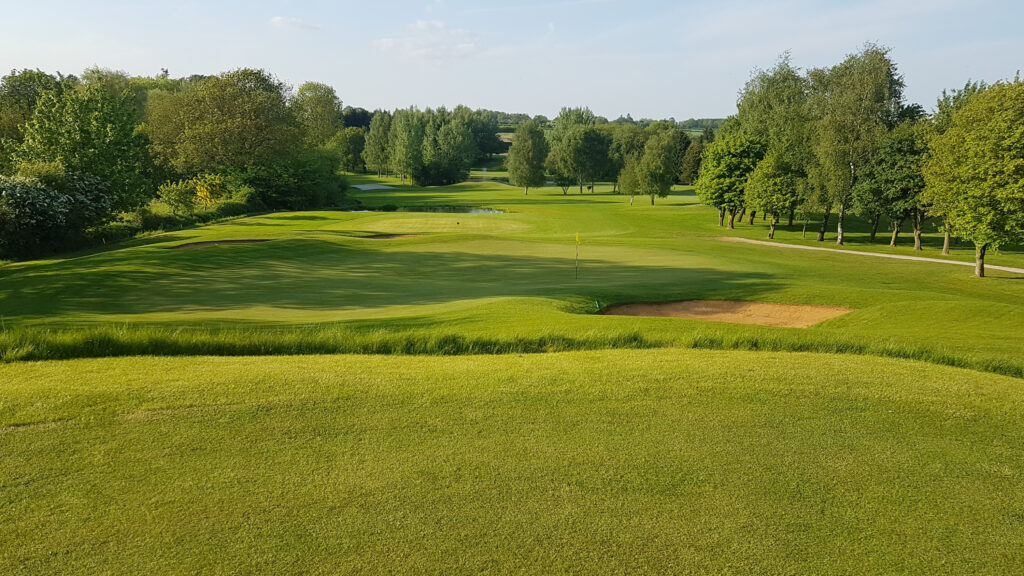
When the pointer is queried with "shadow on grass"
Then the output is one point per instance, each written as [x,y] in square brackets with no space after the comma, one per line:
[316,274]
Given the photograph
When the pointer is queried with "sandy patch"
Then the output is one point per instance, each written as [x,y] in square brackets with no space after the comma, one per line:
[389,236]
[369,187]
[761,313]
[193,245]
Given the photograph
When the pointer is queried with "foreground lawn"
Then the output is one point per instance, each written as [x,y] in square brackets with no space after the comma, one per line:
[660,461]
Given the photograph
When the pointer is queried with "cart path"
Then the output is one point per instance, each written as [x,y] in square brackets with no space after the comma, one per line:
[875,254]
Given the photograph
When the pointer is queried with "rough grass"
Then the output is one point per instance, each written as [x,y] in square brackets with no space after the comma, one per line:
[646,461]
[118,341]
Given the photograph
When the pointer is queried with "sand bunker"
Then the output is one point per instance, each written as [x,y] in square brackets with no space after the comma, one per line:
[761,313]
[192,245]
[371,187]
[389,236]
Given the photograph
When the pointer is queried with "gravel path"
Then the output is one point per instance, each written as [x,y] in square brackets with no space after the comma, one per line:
[875,254]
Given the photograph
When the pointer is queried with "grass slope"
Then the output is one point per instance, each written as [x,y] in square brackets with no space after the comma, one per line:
[657,461]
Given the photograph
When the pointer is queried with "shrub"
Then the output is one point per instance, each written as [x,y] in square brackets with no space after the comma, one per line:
[179,196]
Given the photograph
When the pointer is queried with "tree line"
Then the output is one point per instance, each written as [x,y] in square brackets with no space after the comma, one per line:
[578,149]
[842,139]
[105,155]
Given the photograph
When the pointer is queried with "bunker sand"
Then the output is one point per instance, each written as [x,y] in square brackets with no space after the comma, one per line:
[388,236]
[194,245]
[760,313]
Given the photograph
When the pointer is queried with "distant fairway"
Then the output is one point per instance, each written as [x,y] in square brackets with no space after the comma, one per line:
[502,277]
[595,462]
[491,420]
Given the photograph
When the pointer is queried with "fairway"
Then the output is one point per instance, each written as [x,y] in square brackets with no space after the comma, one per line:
[495,279]
[591,462]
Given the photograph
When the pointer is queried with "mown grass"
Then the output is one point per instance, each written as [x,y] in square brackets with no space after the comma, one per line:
[645,461]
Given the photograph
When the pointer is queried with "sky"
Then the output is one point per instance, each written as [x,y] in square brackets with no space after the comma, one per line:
[647,58]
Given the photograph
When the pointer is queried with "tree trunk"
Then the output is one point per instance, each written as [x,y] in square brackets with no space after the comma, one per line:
[771,231]
[945,242]
[743,213]
[581,186]
[764,216]
[979,259]
[753,214]
[732,220]
[895,232]
[840,236]
[792,214]
[824,224]
[652,199]
[874,226]
[526,190]
[919,218]
[631,199]
[721,217]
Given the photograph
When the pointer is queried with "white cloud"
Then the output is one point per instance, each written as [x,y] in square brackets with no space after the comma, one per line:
[283,22]
[431,40]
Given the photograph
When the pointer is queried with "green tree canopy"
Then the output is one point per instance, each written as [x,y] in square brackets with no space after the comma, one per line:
[90,131]
[974,174]
[854,104]
[376,153]
[527,155]
[349,144]
[773,189]
[319,112]
[229,124]
[724,170]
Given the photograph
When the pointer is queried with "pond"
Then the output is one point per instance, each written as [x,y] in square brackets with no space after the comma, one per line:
[437,209]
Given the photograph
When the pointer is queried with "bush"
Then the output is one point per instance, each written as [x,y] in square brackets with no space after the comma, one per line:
[180,197]
[36,218]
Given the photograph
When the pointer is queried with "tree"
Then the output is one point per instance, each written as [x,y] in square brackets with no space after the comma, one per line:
[557,164]
[941,120]
[349,144]
[773,108]
[727,163]
[892,182]
[585,151]
[239,125]
[527,155]
[90,131]
[356,117]
[228,124]
[448,150]
[974,174]
[20,91]
[773,189]
[628,141]
[319,112]
[690,168]
[406,142]
[376,153]
[653,172]
[854,103]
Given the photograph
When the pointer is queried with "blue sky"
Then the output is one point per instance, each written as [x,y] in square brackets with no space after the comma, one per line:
[648,58]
